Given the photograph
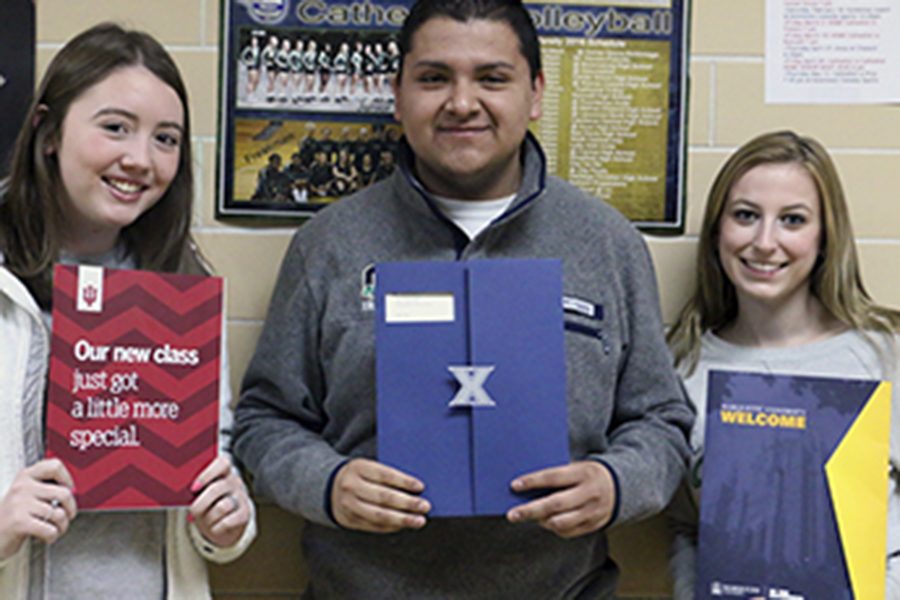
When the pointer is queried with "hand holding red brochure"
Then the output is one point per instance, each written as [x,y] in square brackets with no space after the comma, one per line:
[133,399]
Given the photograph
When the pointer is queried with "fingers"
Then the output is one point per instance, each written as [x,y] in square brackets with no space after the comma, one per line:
[50,482]
[370,496]
[219,467]
[221,509]
[380,474]
[51,469]
[554,477]
[211,486]
[544,509]
[39,503]
[229,511]
[49,521]
[60,499]
[567,513]
[583,503]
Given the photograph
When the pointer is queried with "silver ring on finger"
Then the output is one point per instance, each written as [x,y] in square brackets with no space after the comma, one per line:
[54,504]
[235,505]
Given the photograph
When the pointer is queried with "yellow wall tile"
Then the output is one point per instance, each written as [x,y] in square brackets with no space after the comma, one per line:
[206,175]
[698,103]
[702,168]
[212,23]
[741,113]
[249,263]
[199,70]
[41,59]
[170,21]
[872,186]
[879,269]
[727,27]
[242,338]
[674,262]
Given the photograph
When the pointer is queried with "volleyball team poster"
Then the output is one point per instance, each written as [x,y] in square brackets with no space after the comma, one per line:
[306,104]
[133,399]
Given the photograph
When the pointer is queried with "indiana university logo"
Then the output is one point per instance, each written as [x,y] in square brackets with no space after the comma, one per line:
[89,297]
[471,386]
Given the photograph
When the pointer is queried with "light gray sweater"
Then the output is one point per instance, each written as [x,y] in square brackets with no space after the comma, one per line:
[308,398]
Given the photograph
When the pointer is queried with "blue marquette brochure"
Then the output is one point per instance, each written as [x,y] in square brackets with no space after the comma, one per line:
[471,377]
[794,494]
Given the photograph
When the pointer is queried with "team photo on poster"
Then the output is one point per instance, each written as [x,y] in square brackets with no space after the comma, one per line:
[307,109]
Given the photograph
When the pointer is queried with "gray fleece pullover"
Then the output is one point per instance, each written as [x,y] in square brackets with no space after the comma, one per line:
[308,398]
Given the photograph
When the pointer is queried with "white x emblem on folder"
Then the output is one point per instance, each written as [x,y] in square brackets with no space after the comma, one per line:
[471,386]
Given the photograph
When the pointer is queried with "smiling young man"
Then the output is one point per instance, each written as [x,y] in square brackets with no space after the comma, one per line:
[470,183]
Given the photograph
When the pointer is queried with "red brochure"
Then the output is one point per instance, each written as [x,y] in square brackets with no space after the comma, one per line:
[133,399]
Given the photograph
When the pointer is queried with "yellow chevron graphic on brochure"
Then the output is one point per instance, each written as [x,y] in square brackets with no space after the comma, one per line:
[858,479]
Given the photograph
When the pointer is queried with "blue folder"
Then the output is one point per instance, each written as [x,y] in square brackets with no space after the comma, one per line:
[505,319]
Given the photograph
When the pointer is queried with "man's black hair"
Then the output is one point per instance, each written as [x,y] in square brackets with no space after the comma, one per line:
[511,12]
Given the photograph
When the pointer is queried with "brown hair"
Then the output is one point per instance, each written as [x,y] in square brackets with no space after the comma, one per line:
[31,220]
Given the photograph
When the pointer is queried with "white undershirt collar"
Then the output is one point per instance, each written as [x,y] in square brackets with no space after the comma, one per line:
[473,216]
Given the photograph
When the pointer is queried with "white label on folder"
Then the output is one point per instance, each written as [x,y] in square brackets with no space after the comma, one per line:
[418,308]
[90,289]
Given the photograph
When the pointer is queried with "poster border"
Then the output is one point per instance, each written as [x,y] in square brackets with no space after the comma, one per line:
[226,207]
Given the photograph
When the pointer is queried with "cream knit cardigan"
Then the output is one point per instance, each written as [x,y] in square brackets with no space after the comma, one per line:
[24,335]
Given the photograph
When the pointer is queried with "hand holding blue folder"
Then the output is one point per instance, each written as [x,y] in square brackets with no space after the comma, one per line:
[471,377]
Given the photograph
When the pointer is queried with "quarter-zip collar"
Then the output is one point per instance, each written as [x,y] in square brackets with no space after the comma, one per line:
[534,175]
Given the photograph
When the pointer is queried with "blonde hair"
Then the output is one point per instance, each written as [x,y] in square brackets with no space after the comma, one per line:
[835,279]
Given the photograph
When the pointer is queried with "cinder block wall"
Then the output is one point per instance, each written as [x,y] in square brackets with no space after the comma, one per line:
[726,108]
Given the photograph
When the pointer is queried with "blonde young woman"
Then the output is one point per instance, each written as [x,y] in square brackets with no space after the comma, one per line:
[778,290]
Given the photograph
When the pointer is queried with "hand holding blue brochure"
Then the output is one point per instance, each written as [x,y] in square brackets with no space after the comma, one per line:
[471,377]
[794,495]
